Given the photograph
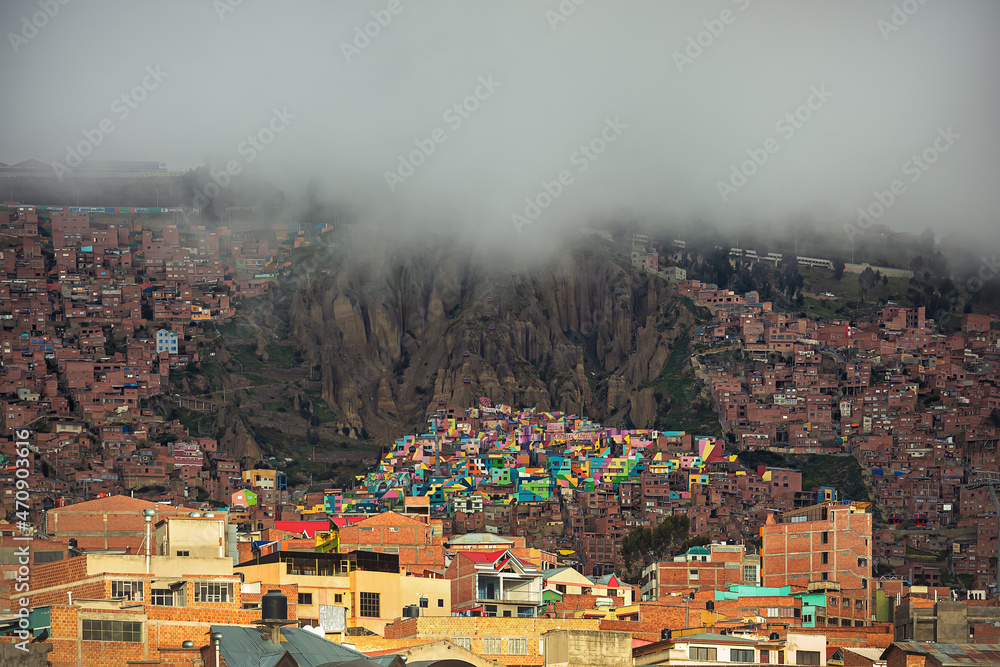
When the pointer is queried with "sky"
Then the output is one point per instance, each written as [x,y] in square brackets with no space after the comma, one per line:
[511,116]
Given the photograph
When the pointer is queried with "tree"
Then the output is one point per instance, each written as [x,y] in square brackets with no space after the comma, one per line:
[838,269]
[644,545]
[866,281]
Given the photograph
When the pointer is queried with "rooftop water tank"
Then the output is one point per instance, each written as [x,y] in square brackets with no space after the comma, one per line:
[274,606]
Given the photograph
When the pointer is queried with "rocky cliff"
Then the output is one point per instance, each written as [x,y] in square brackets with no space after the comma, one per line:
[395,334]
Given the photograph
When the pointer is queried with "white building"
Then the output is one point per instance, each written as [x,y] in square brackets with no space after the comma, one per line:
[166,341]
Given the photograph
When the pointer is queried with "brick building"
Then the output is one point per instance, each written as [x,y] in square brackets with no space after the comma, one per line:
[110,609]
[822,547]
[417,543]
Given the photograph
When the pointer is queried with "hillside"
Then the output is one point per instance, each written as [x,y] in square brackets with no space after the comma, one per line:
[354,347]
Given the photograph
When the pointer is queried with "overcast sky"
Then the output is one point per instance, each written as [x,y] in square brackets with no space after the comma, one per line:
[883,87]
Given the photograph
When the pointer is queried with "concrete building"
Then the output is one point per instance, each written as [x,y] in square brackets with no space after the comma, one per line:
[706,648]
[112,608]
[587,648]
[368,585]
[945,621]
[166,341]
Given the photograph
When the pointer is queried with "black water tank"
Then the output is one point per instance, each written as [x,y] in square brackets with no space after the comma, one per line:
[72,543]
[665,634]
[411,611]
[710,605]
[274,606]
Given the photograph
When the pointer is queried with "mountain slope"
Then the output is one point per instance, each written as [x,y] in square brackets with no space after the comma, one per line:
[395,333]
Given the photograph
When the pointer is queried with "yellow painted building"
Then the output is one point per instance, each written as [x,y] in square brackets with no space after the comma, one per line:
[369,585]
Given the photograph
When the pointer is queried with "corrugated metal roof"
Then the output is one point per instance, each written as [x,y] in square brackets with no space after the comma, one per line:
[987,655]
[243,646]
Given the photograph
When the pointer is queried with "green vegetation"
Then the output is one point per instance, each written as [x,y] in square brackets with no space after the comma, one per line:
[644,545]
[843,473]
[921,554]
[282,356]
[681,407]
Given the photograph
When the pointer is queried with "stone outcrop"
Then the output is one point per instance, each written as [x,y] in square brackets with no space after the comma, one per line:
[397,335]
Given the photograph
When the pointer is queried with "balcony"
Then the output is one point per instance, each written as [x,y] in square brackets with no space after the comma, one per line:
[508,590]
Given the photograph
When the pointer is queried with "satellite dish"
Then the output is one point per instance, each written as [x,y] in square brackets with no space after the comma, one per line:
[315,631]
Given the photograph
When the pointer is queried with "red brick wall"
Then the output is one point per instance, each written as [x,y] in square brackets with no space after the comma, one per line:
[418,550]
[462,573]
[791,552]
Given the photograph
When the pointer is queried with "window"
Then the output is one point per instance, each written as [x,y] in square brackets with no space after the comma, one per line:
[702,653]
[492,646]
[338,598]
[741,655]
[183,553]
[391,550]
[464,642]
[862,562]
[749,573]
[772,612]
[111,631]
[305,598]
[162,597]
[209,592]
[130,590]
[370,604]
[825,576]
[824,557]
[765,657]
[693,573]
[441,602]
[807,618]
[807,657]
[824,537]
[423,603]
[517,646]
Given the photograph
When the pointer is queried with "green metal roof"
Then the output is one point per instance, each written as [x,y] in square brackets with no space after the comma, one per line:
[244,646]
